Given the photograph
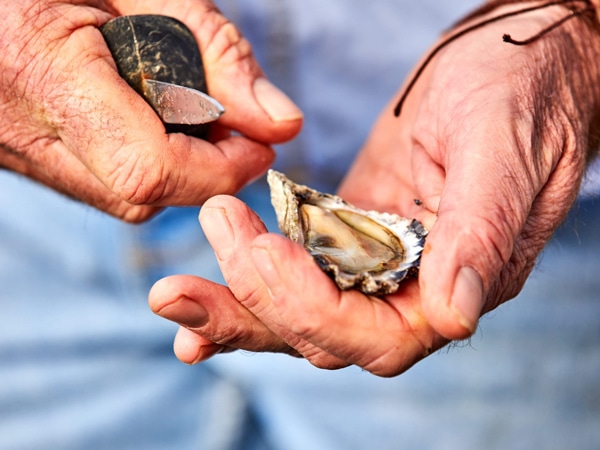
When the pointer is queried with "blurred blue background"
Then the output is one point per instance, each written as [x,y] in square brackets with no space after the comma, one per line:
[84,364]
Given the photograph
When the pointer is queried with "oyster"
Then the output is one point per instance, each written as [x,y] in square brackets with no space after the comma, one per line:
[366,250]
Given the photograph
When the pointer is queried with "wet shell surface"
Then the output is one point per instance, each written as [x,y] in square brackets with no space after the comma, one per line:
[365,250]
[160,48]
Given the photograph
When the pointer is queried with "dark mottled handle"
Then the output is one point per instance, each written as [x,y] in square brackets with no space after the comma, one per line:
[158,48]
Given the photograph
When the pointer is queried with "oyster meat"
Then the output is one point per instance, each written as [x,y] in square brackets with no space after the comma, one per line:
[365,250]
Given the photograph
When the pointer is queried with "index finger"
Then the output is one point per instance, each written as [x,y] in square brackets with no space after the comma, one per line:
[230,226]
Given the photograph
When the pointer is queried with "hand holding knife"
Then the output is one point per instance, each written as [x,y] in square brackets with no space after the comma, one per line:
[158,56]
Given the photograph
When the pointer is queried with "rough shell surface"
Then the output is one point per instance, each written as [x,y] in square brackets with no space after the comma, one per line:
[365,250]
[158,48]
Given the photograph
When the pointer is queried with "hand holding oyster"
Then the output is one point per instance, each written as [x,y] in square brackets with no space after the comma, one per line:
[365,250]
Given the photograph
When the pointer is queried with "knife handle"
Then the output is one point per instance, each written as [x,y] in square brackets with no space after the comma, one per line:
[159,48]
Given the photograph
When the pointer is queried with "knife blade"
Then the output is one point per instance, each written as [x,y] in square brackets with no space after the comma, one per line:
[181,105]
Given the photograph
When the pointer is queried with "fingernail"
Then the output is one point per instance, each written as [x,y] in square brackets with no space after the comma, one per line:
[218,230]
[186,312]
[467,298]
[275,103]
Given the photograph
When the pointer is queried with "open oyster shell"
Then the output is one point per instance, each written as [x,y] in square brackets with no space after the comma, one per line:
[366,250]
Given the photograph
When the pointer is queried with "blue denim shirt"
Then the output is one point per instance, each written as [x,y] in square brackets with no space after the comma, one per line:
[85,365]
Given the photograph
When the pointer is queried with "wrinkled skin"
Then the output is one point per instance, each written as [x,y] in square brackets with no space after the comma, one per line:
[69,121]
[493,140]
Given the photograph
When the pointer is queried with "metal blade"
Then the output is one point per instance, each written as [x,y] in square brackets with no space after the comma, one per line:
[181,105]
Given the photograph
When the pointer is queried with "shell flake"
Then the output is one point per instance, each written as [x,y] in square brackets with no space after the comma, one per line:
[365,250]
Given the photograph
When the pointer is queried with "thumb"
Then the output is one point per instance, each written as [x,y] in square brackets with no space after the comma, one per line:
[255,107]
[481,213]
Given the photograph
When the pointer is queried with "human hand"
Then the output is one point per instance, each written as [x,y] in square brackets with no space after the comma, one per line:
[494,139]
[69,121]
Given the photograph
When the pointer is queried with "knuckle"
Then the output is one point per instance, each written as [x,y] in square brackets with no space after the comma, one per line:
[493,234]
[493,241]
[138,184]
[224,42]
[232,335]
[251,338]
[252,297]
[307,327]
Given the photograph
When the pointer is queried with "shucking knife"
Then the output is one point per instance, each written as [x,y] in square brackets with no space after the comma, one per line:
[159,57]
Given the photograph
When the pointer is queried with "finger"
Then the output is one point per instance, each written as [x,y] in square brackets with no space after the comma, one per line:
[192,348]
[383,337]
[210,311]
[230,226]
[257,108]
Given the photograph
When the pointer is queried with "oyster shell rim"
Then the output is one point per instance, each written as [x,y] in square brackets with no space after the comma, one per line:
[410,232]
